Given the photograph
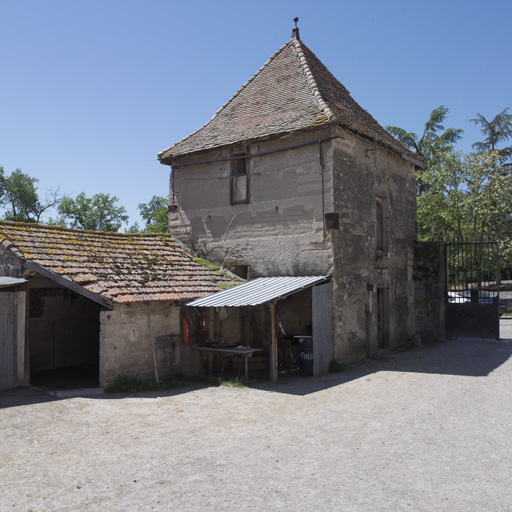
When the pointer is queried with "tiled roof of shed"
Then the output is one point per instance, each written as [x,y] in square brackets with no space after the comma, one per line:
[118,266]
[293,91]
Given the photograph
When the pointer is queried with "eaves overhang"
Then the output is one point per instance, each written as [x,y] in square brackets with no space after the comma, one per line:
[174,158]
[259,291]
[100,299]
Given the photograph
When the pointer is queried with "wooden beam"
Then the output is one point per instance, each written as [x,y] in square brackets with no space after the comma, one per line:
[274,372]
[108,303]
[211,324]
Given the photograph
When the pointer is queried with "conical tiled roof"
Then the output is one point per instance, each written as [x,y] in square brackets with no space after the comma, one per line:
[293,91]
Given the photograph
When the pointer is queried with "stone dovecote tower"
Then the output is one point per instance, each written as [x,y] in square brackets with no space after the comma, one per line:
[292,177]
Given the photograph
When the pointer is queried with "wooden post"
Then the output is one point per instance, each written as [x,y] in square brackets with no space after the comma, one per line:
[211,323]
[274,341]
[247,327]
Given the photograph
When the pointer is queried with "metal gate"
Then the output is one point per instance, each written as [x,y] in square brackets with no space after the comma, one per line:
[472,290]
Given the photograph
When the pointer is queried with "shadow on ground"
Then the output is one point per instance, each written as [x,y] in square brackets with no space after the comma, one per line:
[458,356]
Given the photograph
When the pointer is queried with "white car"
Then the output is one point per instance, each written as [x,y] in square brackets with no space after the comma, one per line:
[457,298]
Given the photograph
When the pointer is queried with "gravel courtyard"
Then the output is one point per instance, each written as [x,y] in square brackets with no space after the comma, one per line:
[426,429]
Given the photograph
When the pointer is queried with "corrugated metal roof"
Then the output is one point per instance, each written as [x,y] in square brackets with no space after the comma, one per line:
[258,291]
[11,281]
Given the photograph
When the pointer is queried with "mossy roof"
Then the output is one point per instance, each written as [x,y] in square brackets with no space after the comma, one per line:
[121,267]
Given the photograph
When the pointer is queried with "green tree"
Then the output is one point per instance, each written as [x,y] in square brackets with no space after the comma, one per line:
[435,142]
[469,196]
[97,213]
[439,214]
[134,228]
[433,146]
[20,200]
[155,214]
[495,131]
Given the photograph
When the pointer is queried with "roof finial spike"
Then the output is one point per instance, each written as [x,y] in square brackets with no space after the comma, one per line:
[295,31]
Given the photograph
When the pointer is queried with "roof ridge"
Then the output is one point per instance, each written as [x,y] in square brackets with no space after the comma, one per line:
[77,230]
[231,99]
[310,77]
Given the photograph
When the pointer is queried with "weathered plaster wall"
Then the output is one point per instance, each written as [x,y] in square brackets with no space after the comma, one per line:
[363,175]
[280,231]
[128,335]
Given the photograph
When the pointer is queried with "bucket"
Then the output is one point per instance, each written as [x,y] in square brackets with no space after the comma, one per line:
[306,354]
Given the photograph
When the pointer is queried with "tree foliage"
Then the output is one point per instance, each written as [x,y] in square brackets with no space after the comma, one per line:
[495,131]
[470,196]
[467,195]
[97,213]
[20,200]
[463,195]
[435,141]
[155,215]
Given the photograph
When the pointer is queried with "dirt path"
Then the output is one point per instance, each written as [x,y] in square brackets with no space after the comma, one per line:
[422,430]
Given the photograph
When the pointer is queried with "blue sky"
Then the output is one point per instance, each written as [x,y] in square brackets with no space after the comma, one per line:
[92,90]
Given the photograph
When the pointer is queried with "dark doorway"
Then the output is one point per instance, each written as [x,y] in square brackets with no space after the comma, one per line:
[63,334]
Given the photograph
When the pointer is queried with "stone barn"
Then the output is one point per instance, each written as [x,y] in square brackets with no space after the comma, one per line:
[95,305]
[291,177]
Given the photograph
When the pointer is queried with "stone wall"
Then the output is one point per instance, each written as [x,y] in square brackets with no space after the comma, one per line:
[280,231]
[429,281]
[10,265]
[132,336]
[373,286]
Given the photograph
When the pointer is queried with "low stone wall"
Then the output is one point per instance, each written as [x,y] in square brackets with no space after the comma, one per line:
[140,340]
[429,289]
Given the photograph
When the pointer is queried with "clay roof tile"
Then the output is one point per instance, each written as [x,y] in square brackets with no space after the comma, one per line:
[292,91]
[123,267]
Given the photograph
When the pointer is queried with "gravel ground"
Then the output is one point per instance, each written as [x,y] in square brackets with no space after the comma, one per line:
[426,429]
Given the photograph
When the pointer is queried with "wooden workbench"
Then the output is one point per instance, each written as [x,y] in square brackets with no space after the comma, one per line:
[232,351]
